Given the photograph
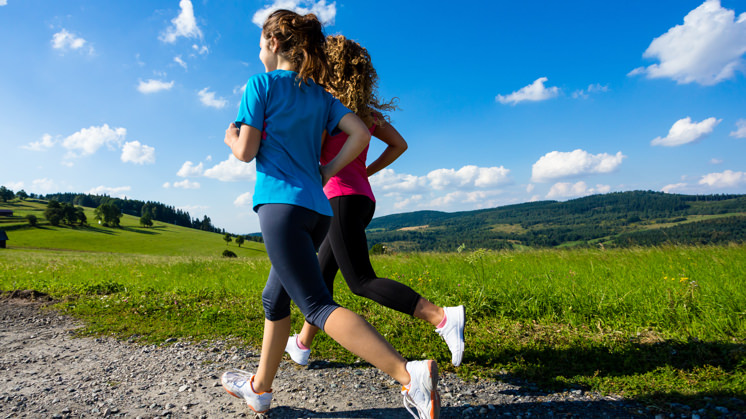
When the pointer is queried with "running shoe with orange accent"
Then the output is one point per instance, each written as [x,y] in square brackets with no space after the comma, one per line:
[239,383]
[422,391]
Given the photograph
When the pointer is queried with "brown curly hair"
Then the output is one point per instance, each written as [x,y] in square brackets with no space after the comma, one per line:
[301,41]
[354,81]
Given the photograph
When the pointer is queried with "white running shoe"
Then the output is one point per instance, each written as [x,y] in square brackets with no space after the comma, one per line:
[422,393]
[300,356]
[453,332]
[239,383]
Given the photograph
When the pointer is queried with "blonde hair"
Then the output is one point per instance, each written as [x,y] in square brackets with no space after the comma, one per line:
[354,81]
[301,41]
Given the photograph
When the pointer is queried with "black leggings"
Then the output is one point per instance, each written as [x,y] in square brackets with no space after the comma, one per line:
[345,248]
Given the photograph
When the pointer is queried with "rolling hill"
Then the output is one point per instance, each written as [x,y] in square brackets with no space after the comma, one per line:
[160,239]
[614,219]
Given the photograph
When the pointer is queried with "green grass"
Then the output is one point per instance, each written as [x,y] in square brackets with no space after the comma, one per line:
[654,324]
[160,239]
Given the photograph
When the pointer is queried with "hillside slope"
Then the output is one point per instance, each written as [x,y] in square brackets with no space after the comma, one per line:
[161,239]
[614,219]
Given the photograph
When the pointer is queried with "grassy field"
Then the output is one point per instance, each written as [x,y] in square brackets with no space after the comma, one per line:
[655,324]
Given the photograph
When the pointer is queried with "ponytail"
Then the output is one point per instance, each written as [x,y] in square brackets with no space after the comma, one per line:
[301,41]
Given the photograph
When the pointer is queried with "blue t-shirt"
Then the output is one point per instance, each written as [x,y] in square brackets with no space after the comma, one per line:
[292,119]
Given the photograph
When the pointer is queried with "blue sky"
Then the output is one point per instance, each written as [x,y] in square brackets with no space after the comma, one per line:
[500,102]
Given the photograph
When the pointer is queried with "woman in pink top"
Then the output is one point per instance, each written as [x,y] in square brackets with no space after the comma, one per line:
[345,247]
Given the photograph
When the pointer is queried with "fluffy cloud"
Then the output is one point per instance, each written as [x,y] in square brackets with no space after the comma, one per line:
[740,131]
[569,190]
[726,179]
[208,99]
[118,191]
[684,131]
[232,170]
[243,200]
[134,152]
[44,144]
[186,184]
[44,185]
[324,12]
[534,92]
[183,25]
[585,93]
[480,177]
[674,187]
[88,140]
[153,86]
[180,62]
[3,2]
[556,164]
[66,41]
[188,169]
[707,49]
[469,177]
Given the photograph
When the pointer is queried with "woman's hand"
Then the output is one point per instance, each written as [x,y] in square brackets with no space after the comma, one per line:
[231,135]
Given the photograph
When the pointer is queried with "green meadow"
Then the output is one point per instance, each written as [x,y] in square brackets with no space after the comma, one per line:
[658,324]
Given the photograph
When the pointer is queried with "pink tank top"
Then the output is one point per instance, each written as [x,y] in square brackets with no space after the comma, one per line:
[353,178]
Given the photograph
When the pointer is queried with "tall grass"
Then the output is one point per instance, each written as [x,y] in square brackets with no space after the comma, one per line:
[652,323]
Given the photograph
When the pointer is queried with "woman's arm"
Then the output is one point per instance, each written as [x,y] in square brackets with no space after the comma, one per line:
[244,143]
[358,138]
[396,146]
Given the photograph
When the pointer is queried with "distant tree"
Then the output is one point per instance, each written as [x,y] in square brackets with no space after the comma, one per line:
[146,221]
[108,214]
[69,215]
[32,220]
[21,195]
[6,194]
[54,212]
[239,240]
[377,249]
[80,216]
[206,224]
[229,254]
[227,238]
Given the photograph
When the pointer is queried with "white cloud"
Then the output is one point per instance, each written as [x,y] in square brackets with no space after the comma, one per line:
[88,140]
[534,92]
[674,187]
[188,169]
[3,2]
[243,200]
[118,191]
[134,152]
[716,161]
[166,185]
[14,186]
[740,131]
[707,49]
[44,185]
[726,179]
[232,170]
[66,41]
[180,62]
[684,131]
[324,12]
[183,25]
[186,184]
[201,50]
[153,86]
[567,190]
[593,88]
[208,99]
[44,144]
[556,164]
[479,177]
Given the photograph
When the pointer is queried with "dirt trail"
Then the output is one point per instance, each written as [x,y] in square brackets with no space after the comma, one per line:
[45,371]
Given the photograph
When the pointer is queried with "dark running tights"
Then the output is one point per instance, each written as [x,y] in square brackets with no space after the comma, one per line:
[345,248]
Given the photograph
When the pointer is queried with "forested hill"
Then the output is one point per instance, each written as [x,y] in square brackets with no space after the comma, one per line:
[614,219]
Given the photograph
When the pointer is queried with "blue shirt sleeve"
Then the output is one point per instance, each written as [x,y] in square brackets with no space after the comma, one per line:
[253,103]
[336,112]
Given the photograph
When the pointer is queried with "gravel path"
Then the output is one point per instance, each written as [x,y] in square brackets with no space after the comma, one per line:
[45,372]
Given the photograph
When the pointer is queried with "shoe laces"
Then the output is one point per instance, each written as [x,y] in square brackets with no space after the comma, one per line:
[409,402]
